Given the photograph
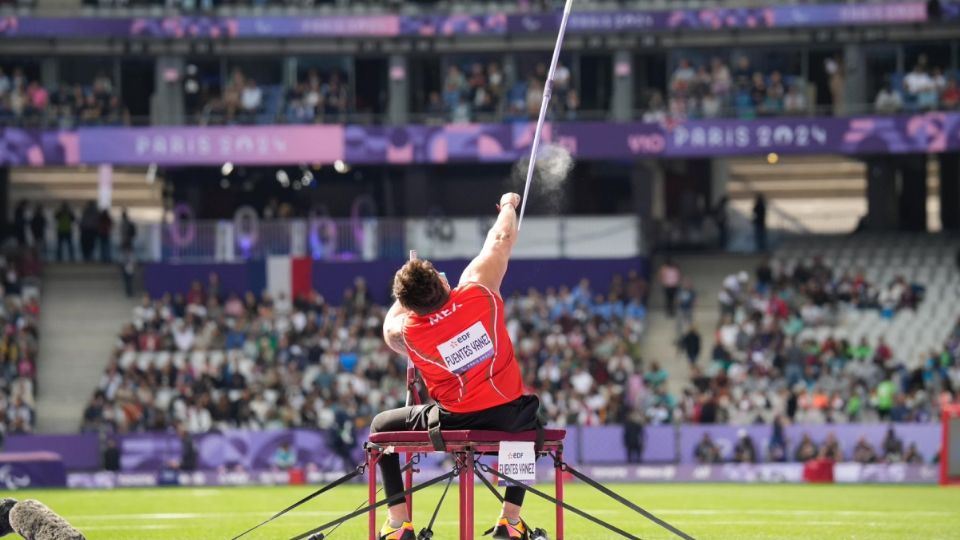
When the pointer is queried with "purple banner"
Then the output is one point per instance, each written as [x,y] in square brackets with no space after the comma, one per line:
[494,143]
[457,24]
[212,146]
[28,470]
[331,278]
[925,436]
[79,452]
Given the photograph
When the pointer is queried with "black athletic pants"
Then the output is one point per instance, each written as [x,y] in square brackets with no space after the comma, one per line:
[517,415]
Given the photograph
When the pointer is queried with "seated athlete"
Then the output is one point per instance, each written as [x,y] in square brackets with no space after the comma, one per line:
[458,340]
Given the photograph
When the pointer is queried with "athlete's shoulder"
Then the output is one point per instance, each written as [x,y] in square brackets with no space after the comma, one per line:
[473,288]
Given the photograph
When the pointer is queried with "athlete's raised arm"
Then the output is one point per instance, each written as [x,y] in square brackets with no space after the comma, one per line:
[393,328]
[489,267]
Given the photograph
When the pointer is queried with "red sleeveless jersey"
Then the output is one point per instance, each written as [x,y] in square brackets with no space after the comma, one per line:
[463,351]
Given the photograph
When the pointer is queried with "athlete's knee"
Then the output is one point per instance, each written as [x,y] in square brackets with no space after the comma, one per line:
[381,422]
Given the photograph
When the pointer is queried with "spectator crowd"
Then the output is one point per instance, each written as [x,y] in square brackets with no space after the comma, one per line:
[317,98]
[94,227]
[890,450]
[209,360]
[19,315]
[481,93]
[761,369]
[711,90]
[924,88]
[27,102]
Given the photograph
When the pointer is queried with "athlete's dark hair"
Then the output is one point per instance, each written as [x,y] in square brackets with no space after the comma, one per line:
[419,287]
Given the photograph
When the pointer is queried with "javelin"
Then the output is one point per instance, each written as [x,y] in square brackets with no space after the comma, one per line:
[547,94]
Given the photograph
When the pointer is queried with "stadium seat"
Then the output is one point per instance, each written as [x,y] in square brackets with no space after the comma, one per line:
[465,446]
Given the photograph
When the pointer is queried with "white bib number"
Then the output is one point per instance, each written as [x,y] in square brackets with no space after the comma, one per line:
[467,349]
[518,461]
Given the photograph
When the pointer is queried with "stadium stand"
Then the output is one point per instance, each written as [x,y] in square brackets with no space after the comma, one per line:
[24,101]
[19,315]
[265,362]
[854,328]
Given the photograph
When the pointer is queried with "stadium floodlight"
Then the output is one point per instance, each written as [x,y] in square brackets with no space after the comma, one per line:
[307,177]
[226,168]
[152,173]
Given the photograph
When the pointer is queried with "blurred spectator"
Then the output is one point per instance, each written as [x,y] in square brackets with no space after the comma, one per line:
[38,229]
[111,456]
[89,229]
[65,220]
[913,455]
[128,232]
[744,451]
[950,98]
[795,102]
[888,100]
[690,343]
[921,88]
[20,223]
[105,236]
[670,281]
[634,437]
[863,452]
[284,458]
[806,450]
[760,222]
[706,451]
[777,447]
[251,100]
[892,446]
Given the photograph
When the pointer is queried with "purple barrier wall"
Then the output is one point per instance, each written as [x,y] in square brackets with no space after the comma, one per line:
[729,473]
[604,444]
[926,436]
[25,470]
[506,142]
[332,278]
[79,452]
[595,445]
[455,24]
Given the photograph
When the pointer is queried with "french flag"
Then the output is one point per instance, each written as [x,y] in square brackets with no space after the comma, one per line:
[290,276]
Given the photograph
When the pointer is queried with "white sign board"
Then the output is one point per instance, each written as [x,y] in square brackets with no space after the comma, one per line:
[518,461]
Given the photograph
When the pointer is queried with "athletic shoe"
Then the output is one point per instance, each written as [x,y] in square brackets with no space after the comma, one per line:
[404,532]
[504,530]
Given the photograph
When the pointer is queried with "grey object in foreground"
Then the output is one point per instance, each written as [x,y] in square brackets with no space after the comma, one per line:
[34,521]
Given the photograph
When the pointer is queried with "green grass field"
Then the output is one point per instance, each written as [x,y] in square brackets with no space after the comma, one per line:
[733,512]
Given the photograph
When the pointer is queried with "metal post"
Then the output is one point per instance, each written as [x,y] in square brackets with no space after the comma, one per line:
[463,497]
[558,483]
[409,484]
[468,477]
[372,458]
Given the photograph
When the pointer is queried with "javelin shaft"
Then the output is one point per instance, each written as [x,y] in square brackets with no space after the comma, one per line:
[544,105]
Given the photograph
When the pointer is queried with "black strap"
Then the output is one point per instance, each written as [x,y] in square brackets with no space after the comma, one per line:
[484,468]
[433,428]
[428,531]
[339,481]
[608,492]
[538,446]
[499,497]
[413,461]
[377,504]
